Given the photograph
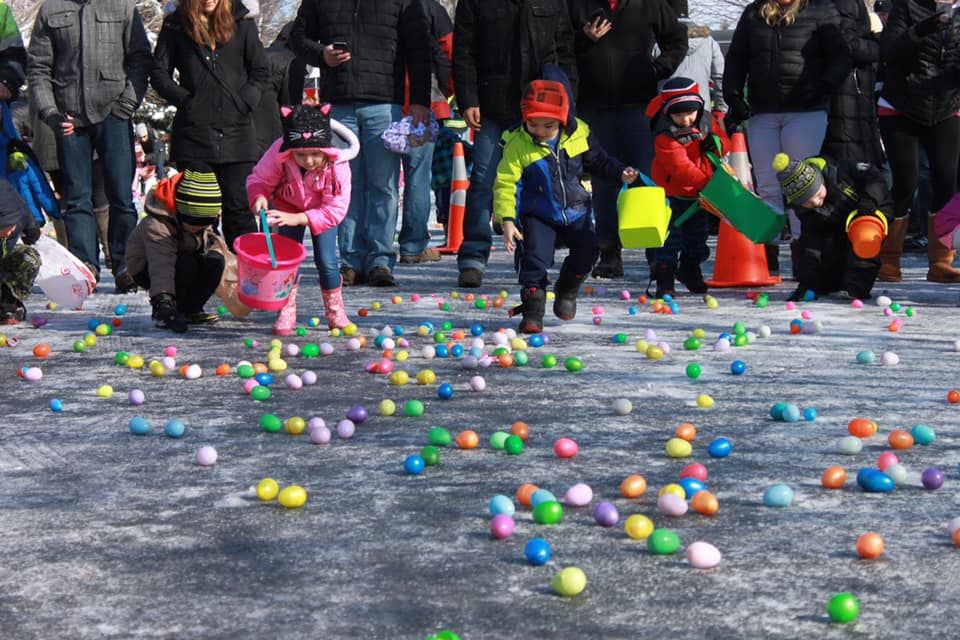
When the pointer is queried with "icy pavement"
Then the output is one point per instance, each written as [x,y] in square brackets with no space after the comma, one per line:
[111,535]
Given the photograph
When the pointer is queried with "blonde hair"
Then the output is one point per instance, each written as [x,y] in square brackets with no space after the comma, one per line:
[771,12]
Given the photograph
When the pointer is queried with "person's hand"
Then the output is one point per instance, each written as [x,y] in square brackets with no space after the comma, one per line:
[629,175]
[66,127]
[280,219]
[260,203]
[472,117]
[30,235]
[511,235]
[419,114]
[5,92]
[335,57]
[597,29]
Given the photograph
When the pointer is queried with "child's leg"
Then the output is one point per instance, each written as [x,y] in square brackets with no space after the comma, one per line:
[581,237]
[19,267]
[813,246]
[693,251]
[328,269]
[534,255]
[197,277]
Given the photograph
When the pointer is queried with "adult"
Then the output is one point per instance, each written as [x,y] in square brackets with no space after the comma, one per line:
[618,76]
[88,65]
[216,50]
[785,60]
[364,50]
[13,57]
[154,150]
[498,47]
[852,130]
[287,73]
[919,107]
[414,236]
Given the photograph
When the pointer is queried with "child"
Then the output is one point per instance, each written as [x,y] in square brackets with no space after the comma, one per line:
[843,211]
[310,186]
[19,263]
[538,198]
[684,136]
[170,250]
[946,224]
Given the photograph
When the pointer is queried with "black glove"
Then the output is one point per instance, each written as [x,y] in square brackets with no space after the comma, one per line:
[165,313]
[737,112]
[30,235]
[54,119]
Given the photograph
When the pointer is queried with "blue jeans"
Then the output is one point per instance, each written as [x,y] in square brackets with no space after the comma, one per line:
[689,241]
[477,237]
[113,140]
[366,234]
[414,232]
[324,254]
[625,134]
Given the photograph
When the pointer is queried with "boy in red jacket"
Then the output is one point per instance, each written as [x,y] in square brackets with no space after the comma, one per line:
[684,136]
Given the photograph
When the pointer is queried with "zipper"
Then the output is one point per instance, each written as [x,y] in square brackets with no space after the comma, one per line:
[563,189]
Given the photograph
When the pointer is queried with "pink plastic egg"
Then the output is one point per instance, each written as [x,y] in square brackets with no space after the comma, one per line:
[346,429]
[353,344]
[326,348]
[703,555]
[477,383]
[136,397]
[806,315]
[857,303]
[565,448]
[790,306]
[206,456]
[293,381]
[308,378]
[579,495]
[33,374]
[886,459]
[170,351]
[624,295]
[501,526]
[320,435]
[315,423]
[249,384]
[671,505]
[695,470]
[291,349]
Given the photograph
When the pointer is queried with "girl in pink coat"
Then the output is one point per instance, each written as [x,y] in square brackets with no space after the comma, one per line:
[308,181]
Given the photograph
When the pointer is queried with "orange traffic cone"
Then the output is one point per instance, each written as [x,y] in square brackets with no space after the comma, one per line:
[739,262]
[458,201]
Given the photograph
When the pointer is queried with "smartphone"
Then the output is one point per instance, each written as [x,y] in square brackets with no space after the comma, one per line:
[341,45]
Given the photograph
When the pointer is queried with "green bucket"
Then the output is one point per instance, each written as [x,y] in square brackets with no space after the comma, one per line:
[725,197]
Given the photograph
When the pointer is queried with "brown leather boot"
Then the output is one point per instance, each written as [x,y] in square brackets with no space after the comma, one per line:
[941,258]
[891,250]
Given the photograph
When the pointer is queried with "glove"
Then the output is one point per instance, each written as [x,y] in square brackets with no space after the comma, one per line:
[737,112]
[165,313]
[54,119]
[30,235]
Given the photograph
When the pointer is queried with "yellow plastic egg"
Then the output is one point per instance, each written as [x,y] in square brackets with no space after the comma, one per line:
[518,344]
[293,496]
[376,306]
[454,295]
[401,356]
[135,362]
[427,376]
[712,303]
[704,401]
[551,295]
[679,448]
[3,341]
[277,364]
[699,334]
[396,299]
[638,527]
[423,331]
[102,329]
[295,425]
[90,340]
[642,346]
[399,378]
[387,407]
[569,582]
[267,489]
[504,294]
[675,489]
[104,391]
[654,353]
[350,330]
[157,368]
[335,332]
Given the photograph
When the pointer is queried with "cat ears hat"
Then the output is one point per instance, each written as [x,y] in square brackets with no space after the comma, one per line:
[306,127]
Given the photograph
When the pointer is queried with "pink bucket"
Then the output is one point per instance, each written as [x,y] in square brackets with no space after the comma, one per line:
[259,285]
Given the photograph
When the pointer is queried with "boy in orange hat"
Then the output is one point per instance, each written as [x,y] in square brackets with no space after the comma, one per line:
[538,197]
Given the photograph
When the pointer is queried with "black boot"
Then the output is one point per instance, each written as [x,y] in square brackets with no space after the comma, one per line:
[534,303]
[663,274]
[611,263]
[566,290]
[690,275]
[773,258]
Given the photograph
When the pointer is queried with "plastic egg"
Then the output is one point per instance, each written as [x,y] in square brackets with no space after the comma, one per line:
[844,607]
[565,448]
[501,526]
[549,512]
[193,372]
[638,527]
[139,425]
[569,582]
[537,551]
[33,374]
[56,405]
[346,429]
[705,401]
[923,435]
[663,542]
[622,406]
[501,504]
[900,439]
[671,505]
[678,448]
[579,495]
[174,428]
[703,555]
[834,477]
[695,470]
[932,478]
[897,473]
[870,546]
[295,425]
[705,503]
[292,497]
[468,439]
[720,448]
[414,465]
[778,495]
[320,435]
[889,359]
[206,456]
[633,486]
[267,489]
[605,514]
[136,397]
[873,481]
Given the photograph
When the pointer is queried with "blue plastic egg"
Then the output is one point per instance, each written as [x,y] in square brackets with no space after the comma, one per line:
[866,357]
[139,426]
[265,379]
[92,324]
[476,329]
[536,340]
[873,481]
[537,551]
[776,411]
[414,464]
[725,336]
[922,434]
[398,331]
[791,413]
[456,351]
[720,448]
[378,341]
[476,352]
[778,495]
[120,309]
[667,297]
[441,351]
[175,428]
[737,367]
[541,495]
[691,486]
[445,391]
[501,504]
[632,311]
[56,405]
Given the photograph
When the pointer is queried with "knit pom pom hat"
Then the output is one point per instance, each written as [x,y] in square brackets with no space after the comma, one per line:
[197,195]
[799,180]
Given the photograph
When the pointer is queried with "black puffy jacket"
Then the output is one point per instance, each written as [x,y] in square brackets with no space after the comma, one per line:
[852,130]
[922,76]
[501,45]
[386,38]
[786,68]
[620,70]
[216,93]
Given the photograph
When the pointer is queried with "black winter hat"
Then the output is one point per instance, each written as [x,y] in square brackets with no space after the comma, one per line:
[306,127]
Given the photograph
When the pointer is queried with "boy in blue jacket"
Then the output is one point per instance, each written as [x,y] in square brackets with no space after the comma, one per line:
[538,197]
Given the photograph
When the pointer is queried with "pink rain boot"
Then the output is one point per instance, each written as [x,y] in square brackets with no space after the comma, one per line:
[286,321]
[333,304]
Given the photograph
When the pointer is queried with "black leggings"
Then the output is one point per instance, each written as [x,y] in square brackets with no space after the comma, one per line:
[237,218]
[902,138]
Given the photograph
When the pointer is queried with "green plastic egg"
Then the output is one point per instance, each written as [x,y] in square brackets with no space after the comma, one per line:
[573,365]
[439,437]
[310,350]
[513,445]
[413,408]
[498,440]
[548,361]
[270,423]
[246,371]
[430,455]
[550,512]
[260,394]
[663,542]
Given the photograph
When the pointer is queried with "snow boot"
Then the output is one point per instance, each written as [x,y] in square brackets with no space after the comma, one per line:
[940,257]
[690,275]
[286,322]
[333,308]
[566,290]
[663,274]
[611,263]
[534,302]
[892,249]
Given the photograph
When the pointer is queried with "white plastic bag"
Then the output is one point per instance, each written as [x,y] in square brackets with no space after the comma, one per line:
[63,277]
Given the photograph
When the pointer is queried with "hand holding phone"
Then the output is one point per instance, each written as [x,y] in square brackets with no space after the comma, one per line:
[336,53]
[944,9]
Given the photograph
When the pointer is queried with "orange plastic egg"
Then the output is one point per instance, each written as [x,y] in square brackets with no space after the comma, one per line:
[633,486]
[223,369]
[259,367]
[42,350]
[705,503]
[525,492]
[520,429]
[870,546]
[497,302]
[642,299]
[686,431]
[387,354]
[458,335]
[468,439]
[363,341]
[506,360]
[900,439]
[468,297]
[953,396]
[862,428]
[956,537]
[833,477]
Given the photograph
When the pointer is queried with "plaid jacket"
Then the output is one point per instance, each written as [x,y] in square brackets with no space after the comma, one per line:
[106,74]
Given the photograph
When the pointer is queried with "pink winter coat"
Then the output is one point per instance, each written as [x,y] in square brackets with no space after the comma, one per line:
[323,195]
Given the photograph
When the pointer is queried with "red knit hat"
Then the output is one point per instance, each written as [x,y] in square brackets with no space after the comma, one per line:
[545,99]
[677,95]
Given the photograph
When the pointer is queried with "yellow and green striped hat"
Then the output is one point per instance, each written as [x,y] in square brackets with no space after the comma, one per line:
[198,196]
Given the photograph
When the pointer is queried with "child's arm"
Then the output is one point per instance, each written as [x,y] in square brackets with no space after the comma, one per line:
[265,178]
[682,171]
[506,192]
[601,163]
[160,248]
[333,209]
[874,195]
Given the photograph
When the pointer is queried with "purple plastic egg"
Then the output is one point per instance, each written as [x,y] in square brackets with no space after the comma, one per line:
[477,383]
[315,423]
[38,321]
[346,429]
[357,414]
[206,456]
[671,504]
[932,478]
[606,514]
[320,435]
[501,526]
[308,377]
[291,349]
[136,397]
[326,348]
[293,381]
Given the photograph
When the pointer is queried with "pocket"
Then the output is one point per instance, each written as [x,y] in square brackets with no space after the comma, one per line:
[109,25]
[64,30]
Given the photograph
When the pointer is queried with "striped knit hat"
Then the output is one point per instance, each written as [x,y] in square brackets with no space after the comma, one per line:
[198,195]
[677,95]
[799,181]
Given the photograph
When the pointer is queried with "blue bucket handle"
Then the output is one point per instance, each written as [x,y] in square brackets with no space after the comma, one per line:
[266,233]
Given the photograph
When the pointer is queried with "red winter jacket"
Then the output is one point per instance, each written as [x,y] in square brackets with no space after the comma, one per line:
[680,164]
